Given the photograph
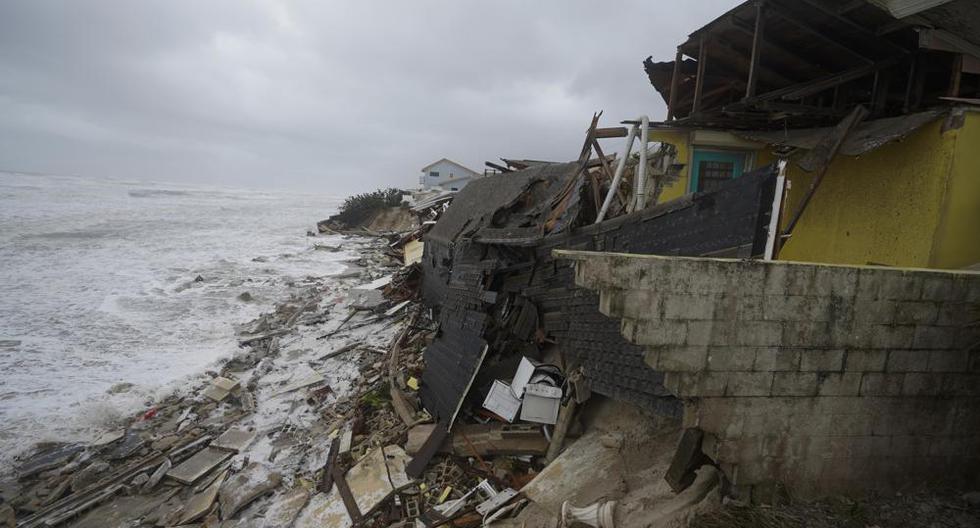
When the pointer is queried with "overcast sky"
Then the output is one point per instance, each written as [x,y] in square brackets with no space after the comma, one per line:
[322,95]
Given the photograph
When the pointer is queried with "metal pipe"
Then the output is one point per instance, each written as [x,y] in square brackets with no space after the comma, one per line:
[620,168]
[641,175]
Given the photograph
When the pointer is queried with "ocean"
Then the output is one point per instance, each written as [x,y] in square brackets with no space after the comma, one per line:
[108,283]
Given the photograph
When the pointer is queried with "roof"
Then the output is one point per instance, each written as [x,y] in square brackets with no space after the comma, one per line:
[815,61]
[864,138]
[460,165]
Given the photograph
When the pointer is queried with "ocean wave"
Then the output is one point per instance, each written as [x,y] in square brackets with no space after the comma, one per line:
[153,193]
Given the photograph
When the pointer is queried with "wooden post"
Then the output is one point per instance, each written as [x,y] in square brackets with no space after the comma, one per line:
[699,81]
[757,39]
[955,76]
[561,429]
[675,81]
[913,72]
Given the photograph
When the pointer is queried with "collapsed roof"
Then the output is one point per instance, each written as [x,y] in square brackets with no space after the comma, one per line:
[801,63]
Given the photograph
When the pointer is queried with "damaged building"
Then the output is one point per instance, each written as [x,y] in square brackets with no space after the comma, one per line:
[783,265]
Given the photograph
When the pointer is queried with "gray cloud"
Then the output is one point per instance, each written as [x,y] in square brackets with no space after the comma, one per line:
[334,96]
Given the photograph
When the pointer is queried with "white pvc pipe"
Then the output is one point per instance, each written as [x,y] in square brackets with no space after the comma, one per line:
[620,168]
[641,175]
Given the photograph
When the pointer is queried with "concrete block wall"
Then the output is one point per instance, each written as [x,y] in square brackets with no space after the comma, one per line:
[822,378]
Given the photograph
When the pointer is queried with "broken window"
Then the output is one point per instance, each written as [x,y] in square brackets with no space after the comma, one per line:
[712,168]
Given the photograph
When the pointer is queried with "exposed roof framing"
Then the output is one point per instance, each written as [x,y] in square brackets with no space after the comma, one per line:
[779,63]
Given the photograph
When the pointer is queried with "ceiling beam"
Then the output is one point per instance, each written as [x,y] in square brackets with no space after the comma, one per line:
[857,28]
[747,29]
[798,21]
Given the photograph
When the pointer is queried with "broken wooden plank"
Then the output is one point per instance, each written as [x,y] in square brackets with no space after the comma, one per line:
[687,458]
[435,440]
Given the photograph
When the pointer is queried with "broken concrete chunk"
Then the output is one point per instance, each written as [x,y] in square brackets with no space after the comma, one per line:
[234,439]
[285,508]
[366,299]
[220,388]
[244,487]
[108,438]
[49,459]
[157,475]
[377,475]
[89,475]
[195,467]
[325,510]
[201,504]
[125,448]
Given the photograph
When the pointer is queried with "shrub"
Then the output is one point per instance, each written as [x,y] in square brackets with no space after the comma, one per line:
[358,209]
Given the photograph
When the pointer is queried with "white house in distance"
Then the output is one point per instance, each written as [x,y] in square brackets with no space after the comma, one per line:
[446,175]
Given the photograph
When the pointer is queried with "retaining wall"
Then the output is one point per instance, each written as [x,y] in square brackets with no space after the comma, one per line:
[820,378]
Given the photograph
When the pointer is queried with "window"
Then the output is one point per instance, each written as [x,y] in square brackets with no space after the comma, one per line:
[454,188]
[434,174]
[712,168]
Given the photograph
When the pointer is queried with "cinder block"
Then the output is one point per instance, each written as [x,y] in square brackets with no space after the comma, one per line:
[699,332]
[642,304]
[758,333]
[922,384]
[865,360]
[869,282]
[934,337]
[788,279]
[891,337]
[881,384]
[794,384]
[796,308]
[710,384]
[910,445]
[749,307]
[961,384]
[874,311]
[730,359]
[611,302]
[901,285]
[696,307]
[777,359]
[916,312]
[851,425]
[833,280]
[907,361]
[828,360]
[806,334]
[682,358]
[941,287]
[839,384]
[955,314]
[749,384]
[660,333]
[948,361]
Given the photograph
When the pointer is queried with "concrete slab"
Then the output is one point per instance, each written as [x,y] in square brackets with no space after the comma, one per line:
[195,467]
[369,480]
[201,504]
[234,439]
[125,448]
[108,437]
[325,510]
[245,486]
[49,459]
[284,508]
[122,511]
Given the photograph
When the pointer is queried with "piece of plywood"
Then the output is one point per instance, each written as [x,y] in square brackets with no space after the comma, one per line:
[234,439]
[413,252]
[201,504]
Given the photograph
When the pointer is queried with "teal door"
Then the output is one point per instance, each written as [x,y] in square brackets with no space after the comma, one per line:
[712,168]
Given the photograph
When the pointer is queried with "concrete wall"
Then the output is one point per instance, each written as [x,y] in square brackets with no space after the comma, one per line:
[822,378]
[913,203]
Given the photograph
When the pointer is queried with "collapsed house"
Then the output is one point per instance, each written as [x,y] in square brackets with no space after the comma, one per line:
[783,270]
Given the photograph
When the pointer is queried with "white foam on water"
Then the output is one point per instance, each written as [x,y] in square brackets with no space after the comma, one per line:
[97,283]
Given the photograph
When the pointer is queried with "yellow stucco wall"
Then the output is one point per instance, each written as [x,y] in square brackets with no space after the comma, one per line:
[957,242]
[912,203]
[679,140]
[882,208]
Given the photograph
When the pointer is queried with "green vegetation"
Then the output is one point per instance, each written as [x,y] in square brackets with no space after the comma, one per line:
[358,209]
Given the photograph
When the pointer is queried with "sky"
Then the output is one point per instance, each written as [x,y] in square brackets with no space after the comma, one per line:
[320,95]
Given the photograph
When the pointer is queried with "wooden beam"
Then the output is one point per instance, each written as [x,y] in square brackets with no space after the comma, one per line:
[771,45]
[851,6]
[910,85]
[757,36]
[820,157]
[610,132]
[855,27]
[955,76]
[675,81]
[804,89]
[803,24]
[699,81]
